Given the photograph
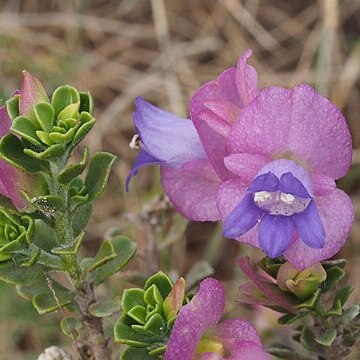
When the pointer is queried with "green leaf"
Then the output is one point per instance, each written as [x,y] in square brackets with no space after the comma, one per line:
[105,308]
[290,318]
[153,327]
[136,354]
[88,123]
[343,294]
[334,275]
[199,271]
[12,150]
[125,249]
[286,353]
[311,302]
[131,298]
[80,217]
[126,335]
[54,151]
[174,301]
[152,296]
[307,339]
[50,301]
[86,102]
[162,282]
[44,236]
[350,314]
[70,112]
[64,96]
[98,174]
[336,309]
[12,273]
[44,114]
[62,138]
[49,204]
[138,313]
[12,107]
[104,255]
[71,248]
[327,337]
[74,170]
[23,127]
[71,326]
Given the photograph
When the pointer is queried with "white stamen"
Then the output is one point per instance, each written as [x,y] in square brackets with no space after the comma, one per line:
[135,142]
[262,196]
[287,198]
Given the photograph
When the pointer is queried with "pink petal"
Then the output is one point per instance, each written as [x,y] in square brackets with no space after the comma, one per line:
[337,215]
[322,184]
[209,356]
[248,350]
[268,288]
[31,93]
[245,166]
[192,189]
[238,329]
[5,121]
[298,123]
[202,313]
[246,79]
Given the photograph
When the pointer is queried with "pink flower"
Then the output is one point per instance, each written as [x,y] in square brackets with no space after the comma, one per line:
[190,153]
[197,333]
[285,151]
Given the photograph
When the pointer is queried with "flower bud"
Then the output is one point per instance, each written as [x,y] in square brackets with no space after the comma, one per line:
[301,283]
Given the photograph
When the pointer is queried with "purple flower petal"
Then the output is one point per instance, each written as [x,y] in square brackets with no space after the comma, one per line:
[192,189]
[166,137]
[299,122]
[142,159]
[265,182]
[337,215]
[5,121]
[202,313]
[275,234]
[310,227]
[267,287]
[248,350]
[244,217]
[289,184]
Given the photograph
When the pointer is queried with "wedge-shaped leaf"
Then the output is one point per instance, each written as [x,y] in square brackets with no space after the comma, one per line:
[126,335]
[334,275]
[44,235]
[350,314]
[86,102]
[104,255]
[327,337]
[311,302]
[174,300]
[131,298]
[153,327]
[336,309]
[23,127]
[53,299]
[158,351]
[70,112]
[44,114]
[343,294]
[125,249]
[137,313]
[64,96]
[12,106]
[80,217]
[88,123]
[153,296]
[286,353]
[290,318]
[62,138]
[199,271]
[49,203]
[162,282]
[98,174]
[71,248]
[14,274]
[71,326]
[54,151]
[44,137]
[105,308]
[12,150]
[74,170]
[307,339]
[136,354]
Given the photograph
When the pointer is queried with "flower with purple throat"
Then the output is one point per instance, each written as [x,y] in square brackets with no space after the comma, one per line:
[190,152]
[197,333]
[286,150]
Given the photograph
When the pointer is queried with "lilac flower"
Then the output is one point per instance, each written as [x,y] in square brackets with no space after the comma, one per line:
[190,153]
[9,176]
[196,333]
[285,151]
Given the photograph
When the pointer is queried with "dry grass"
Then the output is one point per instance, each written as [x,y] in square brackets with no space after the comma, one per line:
[163,50]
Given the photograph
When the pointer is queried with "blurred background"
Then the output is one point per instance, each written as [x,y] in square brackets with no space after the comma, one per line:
[164,50]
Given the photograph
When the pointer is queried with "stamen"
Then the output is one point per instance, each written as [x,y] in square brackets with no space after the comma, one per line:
[135,142]
[279,203]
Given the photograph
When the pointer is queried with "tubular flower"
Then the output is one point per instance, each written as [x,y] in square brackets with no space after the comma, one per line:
[286,150]
[190,152]
[196,333]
